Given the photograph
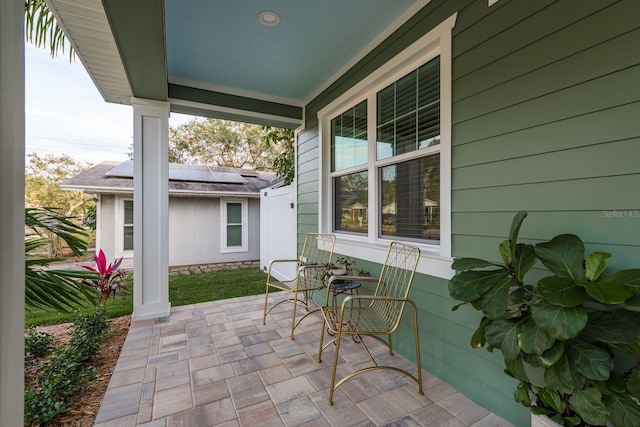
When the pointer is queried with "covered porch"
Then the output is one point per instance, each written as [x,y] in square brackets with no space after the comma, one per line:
[216,364]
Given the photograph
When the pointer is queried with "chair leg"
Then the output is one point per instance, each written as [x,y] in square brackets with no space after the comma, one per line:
[324,325]
[335,366]
[266,298]
[293,317]
[415,329]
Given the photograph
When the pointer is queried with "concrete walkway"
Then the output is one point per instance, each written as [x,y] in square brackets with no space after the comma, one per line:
[216,364]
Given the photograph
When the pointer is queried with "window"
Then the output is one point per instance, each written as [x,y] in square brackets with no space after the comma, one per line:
[234,223]
[388,145]
[127,225]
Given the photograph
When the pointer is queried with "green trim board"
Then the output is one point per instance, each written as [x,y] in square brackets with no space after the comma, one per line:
[138,29]
[290,114]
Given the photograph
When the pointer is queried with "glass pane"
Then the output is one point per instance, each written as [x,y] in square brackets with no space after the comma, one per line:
[410,199]
[234,213]
[127,238]
[351,203]
[349,138]
[409,112]
[234,235]
[128,211]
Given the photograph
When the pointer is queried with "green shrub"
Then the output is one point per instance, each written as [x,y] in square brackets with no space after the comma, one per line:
[67,372]
[37,344]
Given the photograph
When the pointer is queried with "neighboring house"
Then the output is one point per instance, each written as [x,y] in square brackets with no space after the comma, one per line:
[469,109]
[214,213]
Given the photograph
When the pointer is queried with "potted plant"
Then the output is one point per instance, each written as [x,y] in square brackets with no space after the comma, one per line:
[347,263]
[571,339]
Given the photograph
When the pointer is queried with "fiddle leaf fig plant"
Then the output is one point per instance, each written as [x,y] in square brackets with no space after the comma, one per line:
[571,339]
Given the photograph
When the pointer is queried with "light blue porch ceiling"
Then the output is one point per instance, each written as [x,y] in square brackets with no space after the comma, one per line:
[220,45]
[214,58]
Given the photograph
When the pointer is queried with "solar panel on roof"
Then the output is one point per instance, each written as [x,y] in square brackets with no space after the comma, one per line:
[178,172]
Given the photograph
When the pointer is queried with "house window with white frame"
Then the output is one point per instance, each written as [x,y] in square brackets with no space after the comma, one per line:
[127,225]
[387,156]
[234,232]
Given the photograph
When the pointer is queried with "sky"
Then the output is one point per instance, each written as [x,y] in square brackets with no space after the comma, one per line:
[65,113]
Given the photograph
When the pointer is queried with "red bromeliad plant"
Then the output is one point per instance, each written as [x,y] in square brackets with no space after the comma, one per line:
[111,277]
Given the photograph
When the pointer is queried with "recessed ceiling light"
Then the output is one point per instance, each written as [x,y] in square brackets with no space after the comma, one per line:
[269,18]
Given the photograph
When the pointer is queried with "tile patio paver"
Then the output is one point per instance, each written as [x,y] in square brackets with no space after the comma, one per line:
[216,364]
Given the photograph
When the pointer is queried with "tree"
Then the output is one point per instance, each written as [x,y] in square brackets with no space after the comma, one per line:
[41,28]
[43,176]
[217,142]
[284,161]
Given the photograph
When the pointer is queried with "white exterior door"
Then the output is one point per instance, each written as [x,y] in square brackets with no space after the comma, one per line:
[278,230]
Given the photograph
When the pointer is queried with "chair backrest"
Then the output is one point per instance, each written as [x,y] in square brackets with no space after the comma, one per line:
[317,251]
[395,281]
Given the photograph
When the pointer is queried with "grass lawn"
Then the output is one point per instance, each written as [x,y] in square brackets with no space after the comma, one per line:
[183,290]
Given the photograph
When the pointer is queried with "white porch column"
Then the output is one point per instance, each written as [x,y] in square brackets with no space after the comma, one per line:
[12,213]
[151,209]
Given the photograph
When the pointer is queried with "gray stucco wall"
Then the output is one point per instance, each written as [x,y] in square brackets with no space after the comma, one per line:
[194,231]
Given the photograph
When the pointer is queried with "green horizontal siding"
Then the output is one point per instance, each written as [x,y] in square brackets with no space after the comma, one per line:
[545,118]
[549,137]
[593,160]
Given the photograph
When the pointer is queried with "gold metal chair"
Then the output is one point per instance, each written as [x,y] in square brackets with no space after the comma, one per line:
[310,274]
[376,315]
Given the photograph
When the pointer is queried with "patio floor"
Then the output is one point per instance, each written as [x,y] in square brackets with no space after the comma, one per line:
[216,364]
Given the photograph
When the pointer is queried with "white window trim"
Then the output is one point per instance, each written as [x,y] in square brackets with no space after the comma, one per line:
[119,228]
[223,226]
[435,260]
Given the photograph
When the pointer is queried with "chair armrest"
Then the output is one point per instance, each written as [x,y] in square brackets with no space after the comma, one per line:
[277,261]
[374,298]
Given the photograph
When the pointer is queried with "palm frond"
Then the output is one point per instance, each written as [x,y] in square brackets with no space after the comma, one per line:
[41,28]
[45,287]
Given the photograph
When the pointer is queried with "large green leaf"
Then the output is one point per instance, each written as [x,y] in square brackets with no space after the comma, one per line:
[562,291]
[631,279]
[552,399]
[463,264]
[589,360]
[563,255]
[614,327]
[488,289]
[533,339]
[560,322]
[563,377]
[478,339]
[516,369]
[503,334]
[595,264]
[634,383]
[607,292]
[515,230]
[505,251]
[588,404]
[494,302]
[623,411]
[522,394]
[523,260]
[551,356]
